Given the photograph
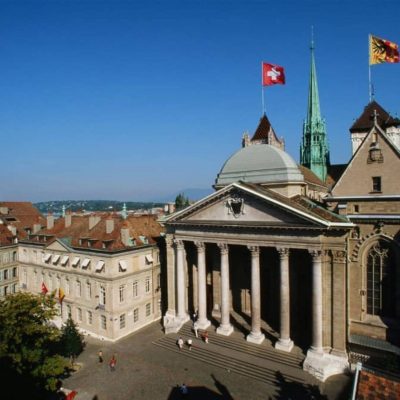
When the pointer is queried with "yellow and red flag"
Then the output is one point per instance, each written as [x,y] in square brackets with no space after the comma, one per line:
[382,51]
[61,295]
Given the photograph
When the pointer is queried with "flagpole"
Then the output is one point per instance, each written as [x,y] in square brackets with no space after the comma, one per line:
[369,69]
[262,90]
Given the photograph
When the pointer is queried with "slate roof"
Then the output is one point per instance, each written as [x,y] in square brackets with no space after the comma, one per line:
[310,177]
[366,121]
[22,215]
[143,230]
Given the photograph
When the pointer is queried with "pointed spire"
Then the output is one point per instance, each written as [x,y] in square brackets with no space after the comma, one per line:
[124,213]
[63,211]
[314,151]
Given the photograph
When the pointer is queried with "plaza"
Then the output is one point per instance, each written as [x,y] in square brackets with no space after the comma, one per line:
[150,366]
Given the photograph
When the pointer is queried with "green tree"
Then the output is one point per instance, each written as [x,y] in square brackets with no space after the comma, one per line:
[28,359]
[72,342]
[181,201]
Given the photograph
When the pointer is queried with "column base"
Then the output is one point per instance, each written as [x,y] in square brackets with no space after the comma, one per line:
[256,338]
[284,345]
[173,323]
[323,365]
[225,330]
[202,325]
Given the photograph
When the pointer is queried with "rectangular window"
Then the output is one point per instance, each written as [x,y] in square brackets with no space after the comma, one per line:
[5,290]
[103,322]
[147,285]
[79,314]
[148,309]
[122,321]
[135,289]
[5,274]
[78,288]
[89,317]
[14,272]
[88,290]
[376,184]
[69,311]
[102,295]
[121,293]
[356,208]
[136,315]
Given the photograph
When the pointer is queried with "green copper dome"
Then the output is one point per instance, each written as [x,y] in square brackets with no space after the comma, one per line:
[260,163]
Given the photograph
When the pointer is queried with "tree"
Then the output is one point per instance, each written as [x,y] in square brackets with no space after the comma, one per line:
[71,341]
[28,359]
[181,201]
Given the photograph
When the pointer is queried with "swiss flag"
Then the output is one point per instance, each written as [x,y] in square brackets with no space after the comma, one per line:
[44,288]
[272,74]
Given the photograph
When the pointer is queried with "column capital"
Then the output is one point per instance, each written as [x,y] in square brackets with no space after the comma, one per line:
[254,250]
[283,252]
[338,256]
[315,254]
[178,244]
[200,246]
[169,239]
[223,247]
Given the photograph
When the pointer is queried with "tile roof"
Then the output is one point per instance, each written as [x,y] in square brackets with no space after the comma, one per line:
[265,133]
[365,121]
[142,230]
[6,236]
[310,177]
[23,215]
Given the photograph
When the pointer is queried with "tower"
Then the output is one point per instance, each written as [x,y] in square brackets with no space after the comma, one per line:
[314,151]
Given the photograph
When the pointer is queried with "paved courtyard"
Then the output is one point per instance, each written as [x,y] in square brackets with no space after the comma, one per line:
[150,366]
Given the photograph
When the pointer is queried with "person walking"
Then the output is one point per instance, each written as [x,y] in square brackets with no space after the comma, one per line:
[180,343]
[100,356]
[189,343]
[113,363]
[205,337]
[196,329]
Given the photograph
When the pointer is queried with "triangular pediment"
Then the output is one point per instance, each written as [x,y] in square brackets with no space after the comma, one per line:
[238,204]
[376,157]
[58,245]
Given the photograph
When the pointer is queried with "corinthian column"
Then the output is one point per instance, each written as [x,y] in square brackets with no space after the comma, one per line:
[284,343]
[316,344]
[225,328]
[202,322]
[180,280]
[255,335]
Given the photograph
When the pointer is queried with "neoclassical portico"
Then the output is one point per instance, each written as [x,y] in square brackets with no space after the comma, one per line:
[259,225]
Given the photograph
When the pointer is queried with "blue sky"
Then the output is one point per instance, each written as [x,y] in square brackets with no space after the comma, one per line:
[132,100]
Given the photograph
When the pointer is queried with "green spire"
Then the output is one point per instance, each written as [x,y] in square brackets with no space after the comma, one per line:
[314,150]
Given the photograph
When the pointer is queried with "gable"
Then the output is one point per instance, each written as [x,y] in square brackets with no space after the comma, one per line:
[249,209]
[357,180]
[57,246]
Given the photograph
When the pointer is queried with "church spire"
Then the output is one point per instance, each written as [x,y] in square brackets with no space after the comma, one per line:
[314,151]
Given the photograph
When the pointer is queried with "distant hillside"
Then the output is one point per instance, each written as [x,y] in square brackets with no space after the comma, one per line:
[193,194]
[93,205]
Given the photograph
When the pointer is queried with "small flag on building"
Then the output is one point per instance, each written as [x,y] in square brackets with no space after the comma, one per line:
[272,74]
[382,51]
[44,288]
[61,295]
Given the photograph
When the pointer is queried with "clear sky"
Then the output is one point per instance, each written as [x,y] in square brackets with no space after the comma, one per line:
[133,100]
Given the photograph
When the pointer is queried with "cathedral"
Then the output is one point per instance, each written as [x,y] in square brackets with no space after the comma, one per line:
[309,250]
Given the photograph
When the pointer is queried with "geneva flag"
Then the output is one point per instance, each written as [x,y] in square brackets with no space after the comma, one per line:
[272,74]
[382,51]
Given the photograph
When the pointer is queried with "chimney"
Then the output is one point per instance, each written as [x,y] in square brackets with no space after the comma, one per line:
[68,219]
[37,226]
[12,229]
[4,210]
[109,225]
[50,220]
[93,220]
[125,238]
[171,208]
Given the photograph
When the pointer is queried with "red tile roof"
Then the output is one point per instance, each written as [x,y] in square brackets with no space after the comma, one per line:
[143,229]
[6,236]
[23,215]
[265,133]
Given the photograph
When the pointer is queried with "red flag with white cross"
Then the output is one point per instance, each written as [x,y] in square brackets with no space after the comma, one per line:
[272,74]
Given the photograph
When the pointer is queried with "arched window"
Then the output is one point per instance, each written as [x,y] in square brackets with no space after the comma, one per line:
[380,280]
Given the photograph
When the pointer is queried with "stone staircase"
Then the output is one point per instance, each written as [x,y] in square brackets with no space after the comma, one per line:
[233,353]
